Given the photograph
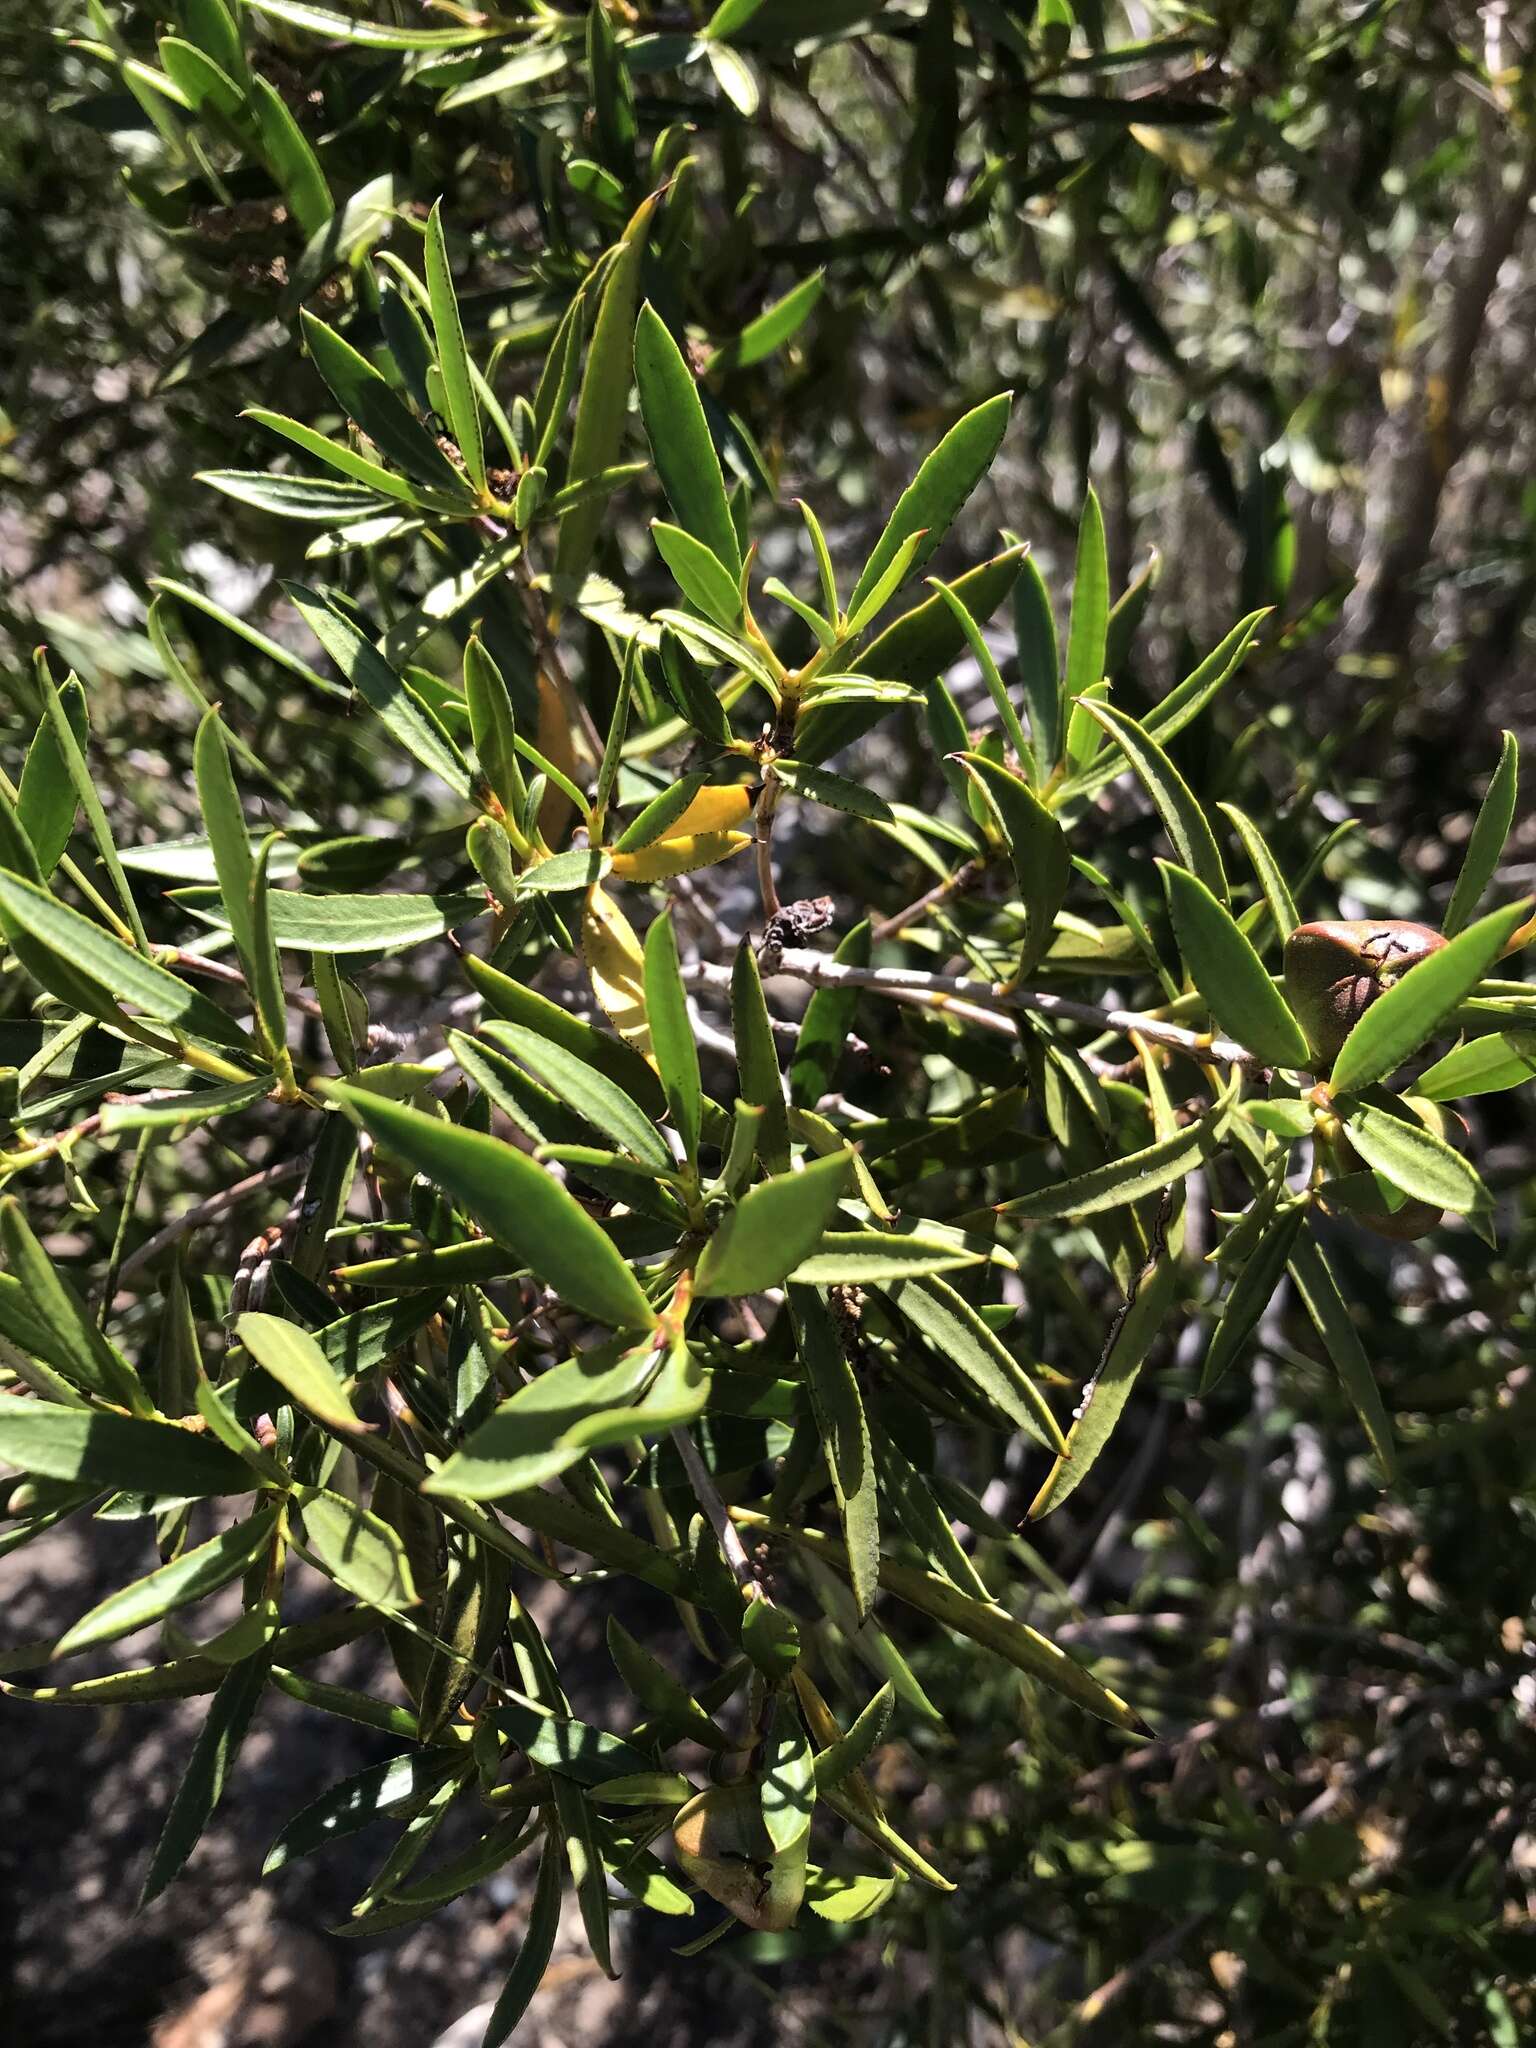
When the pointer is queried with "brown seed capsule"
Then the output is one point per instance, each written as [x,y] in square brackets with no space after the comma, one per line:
[1335,970]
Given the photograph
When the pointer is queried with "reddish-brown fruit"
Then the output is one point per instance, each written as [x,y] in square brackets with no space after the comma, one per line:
[1335,969]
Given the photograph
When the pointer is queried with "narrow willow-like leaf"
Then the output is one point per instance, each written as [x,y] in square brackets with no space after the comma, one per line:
[1485,847]
[206,1775]
[125,974]
[673,1044]
[700,574]
[1183,817]
[1402,1017]
[521,1206]
[526,1007]
[1144,1172]
[771,1229]
[878,1258]
[762,1085]
[527,1973]
[840,1759]
[1088,631]
[357,1549]
[844,1432]
[682,445]
[825,1027]
[604,392]
[1023,1647]
[1277,893]
[1319,1290]
[1037,847]
[772,328]
[601,1101]
[398,707]
[1103,1399]
[1034,625]
[1415,1159]
[1483,1066]
[343,923]
[366,397]
[935,495]
[992,677]
[585,1862]
[375,480]
[452,355]
[342,1809]
[65,1335]
[821,786]
[1251,1293]
[295,1360]
[192,1576]
[789,1778]
[1230,975]
[46,800]
[960,1337]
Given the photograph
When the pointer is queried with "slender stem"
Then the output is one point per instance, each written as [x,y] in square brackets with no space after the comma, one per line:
[767,804]
[209,1211]
[958,995]
[708,1496]
[952,885]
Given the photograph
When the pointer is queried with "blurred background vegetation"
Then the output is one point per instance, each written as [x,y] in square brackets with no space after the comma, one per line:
[1262,273]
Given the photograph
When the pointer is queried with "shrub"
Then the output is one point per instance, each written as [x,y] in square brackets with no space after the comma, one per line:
[714,1171]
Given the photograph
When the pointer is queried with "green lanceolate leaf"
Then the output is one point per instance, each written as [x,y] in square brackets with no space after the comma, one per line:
[401,711]
[1230,975]
[295,1360]
[1483,1066]
[364,396]
[789,1778]
[120,1451]
[762,1085]
[213,1758]
[844,1433]
[593,1096]
[192,1576]
[604,393]
[357,1549]
[1251,1292]
[1039,663]
[1088,631]
[520,1205]
[1402,1017]
[66,1337]
[1183,818]
[960,1337]
[827,1022]
[536,1013]
[527,1972]
[772,328]
[1104,1398]
[1319,1290]
[935,495]
[124,973]
[1414,1159]
[1277,894]
[682,446]
[1144,1172]
[700,575]
[343,923]
[1486,845]
[772,1228]
[673,1043]
[1037,847]
[452,355]
[46,800]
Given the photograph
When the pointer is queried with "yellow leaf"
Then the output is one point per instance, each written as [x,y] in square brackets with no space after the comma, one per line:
[678,856]
[716,808]
[616,965]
